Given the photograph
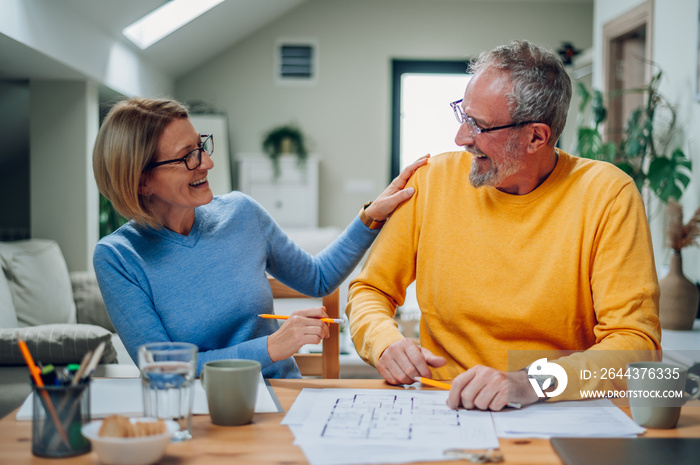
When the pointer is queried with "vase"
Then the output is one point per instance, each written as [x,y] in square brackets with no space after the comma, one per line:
[678,303]
[287,145]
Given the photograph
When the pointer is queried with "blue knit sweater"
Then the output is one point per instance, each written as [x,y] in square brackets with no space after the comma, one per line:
[208,287]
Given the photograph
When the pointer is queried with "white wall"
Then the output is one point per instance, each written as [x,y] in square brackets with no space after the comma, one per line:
[674,49]
[64,199]
[348,115]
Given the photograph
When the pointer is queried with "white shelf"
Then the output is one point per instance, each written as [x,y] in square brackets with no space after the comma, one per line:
[292,197]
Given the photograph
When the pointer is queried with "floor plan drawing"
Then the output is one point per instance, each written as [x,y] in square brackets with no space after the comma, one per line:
[388,416]
[394,417]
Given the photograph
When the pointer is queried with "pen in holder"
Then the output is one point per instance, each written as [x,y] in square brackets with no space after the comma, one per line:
[71,409]
[56,431]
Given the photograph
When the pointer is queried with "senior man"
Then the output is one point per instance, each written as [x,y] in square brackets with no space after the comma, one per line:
[516,247]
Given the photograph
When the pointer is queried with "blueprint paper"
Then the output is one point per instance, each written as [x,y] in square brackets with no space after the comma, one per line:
[368,426]
[343,426]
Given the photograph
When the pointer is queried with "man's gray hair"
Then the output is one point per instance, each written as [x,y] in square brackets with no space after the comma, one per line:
[541,87]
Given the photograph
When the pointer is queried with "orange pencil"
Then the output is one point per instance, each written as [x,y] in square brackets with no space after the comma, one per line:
[285,317]
[35,372]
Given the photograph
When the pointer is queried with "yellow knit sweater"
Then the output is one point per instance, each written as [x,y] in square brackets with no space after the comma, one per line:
[568,266]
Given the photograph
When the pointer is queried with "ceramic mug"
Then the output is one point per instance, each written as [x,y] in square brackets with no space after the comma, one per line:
[232,389]
[657,391]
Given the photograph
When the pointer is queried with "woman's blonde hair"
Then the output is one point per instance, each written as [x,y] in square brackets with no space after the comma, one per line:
[125,145]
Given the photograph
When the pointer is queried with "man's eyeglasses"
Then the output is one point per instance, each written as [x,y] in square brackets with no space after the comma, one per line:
[474,128]
[194,158]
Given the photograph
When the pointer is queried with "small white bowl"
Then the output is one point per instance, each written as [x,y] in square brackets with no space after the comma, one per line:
[129,451]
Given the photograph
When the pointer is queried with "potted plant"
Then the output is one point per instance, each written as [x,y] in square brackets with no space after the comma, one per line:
[110,219]
[284,139]
[678,304]
[643,151]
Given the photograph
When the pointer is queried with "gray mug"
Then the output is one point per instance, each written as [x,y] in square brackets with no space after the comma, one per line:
[657,391]
[232,389]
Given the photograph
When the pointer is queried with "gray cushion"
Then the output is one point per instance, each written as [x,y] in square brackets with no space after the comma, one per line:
[8,317]
[57,344]
[39,282]
[89,306]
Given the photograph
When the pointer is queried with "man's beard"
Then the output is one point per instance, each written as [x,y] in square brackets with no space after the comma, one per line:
[496,174]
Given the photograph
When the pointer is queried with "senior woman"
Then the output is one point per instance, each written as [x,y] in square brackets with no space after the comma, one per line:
[191,267]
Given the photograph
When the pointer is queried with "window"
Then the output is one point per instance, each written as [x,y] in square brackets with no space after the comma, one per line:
[422,120]
[165,20]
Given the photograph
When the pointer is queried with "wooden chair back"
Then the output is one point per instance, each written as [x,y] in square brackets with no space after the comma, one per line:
[327,363]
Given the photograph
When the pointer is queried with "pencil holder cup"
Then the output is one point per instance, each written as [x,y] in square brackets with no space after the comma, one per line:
[58,415]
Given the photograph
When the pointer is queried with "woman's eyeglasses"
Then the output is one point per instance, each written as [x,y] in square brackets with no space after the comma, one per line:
[194,158]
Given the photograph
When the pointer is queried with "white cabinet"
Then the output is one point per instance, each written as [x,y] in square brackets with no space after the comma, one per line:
[292,197]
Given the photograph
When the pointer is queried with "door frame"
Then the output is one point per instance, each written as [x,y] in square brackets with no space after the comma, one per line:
[615,29]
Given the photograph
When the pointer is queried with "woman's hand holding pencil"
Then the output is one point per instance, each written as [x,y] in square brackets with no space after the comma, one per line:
[309,326]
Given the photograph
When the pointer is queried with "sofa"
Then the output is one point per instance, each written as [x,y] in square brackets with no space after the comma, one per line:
[60,315]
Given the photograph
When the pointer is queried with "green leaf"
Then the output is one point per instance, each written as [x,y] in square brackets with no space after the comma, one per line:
[669,190]
[589,143]
[109,219]
[598,107]
[609,152]
[667,177]
[659,171]
[626,167]
[584,95]
[679,158]
[683,179]
[633,148]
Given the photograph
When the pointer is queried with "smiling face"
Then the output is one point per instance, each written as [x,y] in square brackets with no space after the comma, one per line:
[498,155]
[173,190]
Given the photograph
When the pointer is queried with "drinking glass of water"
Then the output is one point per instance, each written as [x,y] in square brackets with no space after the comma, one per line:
[167,379]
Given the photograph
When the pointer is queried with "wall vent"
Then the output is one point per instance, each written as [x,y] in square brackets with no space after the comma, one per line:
[296,62]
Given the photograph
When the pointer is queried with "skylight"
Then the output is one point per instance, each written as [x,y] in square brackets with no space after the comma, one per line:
[165,20]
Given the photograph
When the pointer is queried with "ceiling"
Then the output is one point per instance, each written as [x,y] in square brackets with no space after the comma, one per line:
[175,55]
[197,41]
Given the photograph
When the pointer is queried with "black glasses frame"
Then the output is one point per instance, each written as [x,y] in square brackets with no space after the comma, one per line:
[474,128]
[200,148]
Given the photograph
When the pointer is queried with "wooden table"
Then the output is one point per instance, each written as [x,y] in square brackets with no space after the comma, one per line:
[266,441]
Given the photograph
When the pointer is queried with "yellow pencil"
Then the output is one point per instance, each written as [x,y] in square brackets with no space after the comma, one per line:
[446,386]
[433,383]
[285,317]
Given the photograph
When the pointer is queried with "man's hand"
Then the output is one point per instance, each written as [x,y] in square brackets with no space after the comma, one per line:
[403,360]
[486,388]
